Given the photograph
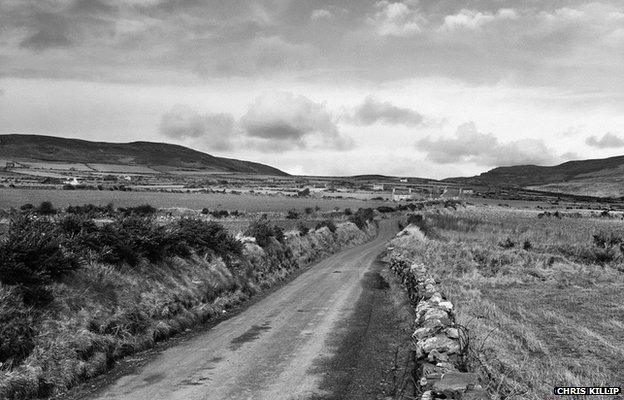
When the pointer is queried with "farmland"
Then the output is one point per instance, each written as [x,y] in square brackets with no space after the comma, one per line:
[540,296]
[247,202]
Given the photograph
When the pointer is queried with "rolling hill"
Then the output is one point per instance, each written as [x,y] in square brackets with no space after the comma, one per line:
[169,156]
[598,177]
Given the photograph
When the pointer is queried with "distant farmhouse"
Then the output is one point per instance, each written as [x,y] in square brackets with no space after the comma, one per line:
[378,186]
[71,181]
[401,194]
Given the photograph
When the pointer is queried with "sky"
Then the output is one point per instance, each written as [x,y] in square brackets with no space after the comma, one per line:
[428,88]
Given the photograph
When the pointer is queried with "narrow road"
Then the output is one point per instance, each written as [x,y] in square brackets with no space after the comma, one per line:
[282,347]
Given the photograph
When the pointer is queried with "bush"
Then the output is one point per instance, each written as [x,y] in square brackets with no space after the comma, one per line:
[32,255]
[527,245]
[202,236]
[328,223]
[303,229]
[27,207]
[361,217]
[144,210]
[263,231]
[303,193]
[46,208]
[91,210]
[127,239]
[16,328]
[308,210]
[219,214]
[292,214]
[348,212]
[385,209]
[73,225]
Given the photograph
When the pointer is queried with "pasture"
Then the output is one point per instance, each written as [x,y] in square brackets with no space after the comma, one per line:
[243,202]
[541,298]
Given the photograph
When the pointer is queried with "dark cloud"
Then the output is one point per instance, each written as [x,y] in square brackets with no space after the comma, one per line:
[372,111]
[51,30]
[608,140]
[182,122]
[470,145]
[94,6]
[282,120]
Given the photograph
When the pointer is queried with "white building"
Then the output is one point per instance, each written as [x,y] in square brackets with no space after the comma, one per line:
[399,194]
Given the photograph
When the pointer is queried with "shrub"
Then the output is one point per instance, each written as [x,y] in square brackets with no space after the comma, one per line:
[127,239]
[16,327]
[348,212]
[91,210]
[219,214]
[308,210]
[385,209]
[202,236]
[27,207]
[292,214]
[527,245]
[32,254]
[263,231]
[73,225]
[303,229]
[303,193]
[361,217]
[328,223]
[46,208]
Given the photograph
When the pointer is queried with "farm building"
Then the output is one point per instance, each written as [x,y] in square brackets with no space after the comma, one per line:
[378,186]
[399,194]
[71,181]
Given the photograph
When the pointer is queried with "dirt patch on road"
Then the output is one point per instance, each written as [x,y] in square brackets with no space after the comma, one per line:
[371,359]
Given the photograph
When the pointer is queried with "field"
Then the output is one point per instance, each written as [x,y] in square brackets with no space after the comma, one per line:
[542,298]
[250,203]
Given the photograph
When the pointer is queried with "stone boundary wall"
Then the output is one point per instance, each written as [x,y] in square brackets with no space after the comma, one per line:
[439,343]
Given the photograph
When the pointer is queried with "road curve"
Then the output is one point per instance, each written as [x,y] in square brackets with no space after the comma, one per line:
[267,351]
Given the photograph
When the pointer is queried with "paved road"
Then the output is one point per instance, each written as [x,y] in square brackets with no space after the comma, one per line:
[274,349]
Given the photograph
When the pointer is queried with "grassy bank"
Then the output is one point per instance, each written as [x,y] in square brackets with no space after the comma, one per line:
[76,296]
[540,296]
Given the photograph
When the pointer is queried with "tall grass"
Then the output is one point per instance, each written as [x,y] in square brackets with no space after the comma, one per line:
[540,315]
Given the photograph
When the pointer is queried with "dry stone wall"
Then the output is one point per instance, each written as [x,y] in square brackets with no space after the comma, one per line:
[439,343]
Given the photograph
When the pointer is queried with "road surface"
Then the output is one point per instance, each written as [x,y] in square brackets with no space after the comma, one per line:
[284,346]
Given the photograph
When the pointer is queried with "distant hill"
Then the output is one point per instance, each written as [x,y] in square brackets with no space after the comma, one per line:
[51,148]
[599,177]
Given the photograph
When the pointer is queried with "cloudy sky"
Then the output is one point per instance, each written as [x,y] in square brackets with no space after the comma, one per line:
[431,88]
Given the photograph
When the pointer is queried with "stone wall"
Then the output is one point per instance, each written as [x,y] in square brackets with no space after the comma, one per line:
[439,343]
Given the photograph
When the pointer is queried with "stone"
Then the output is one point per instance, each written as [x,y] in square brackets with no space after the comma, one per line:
[444,367]
[440,343]
[435,355]
[446,306]
[428,395]
[436,298]
[434,313]
[422,333]
[453,333]
[455,383]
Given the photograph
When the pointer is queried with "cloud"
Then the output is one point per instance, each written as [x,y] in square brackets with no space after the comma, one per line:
[94,7]
[372,111]
[396,19]
[321,14]
[182,122]
[470,145]
[50,30]
[472,19]
[608,140]
[282,120]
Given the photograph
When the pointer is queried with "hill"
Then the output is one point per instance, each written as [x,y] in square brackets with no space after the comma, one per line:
[56,149]
[597,177]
